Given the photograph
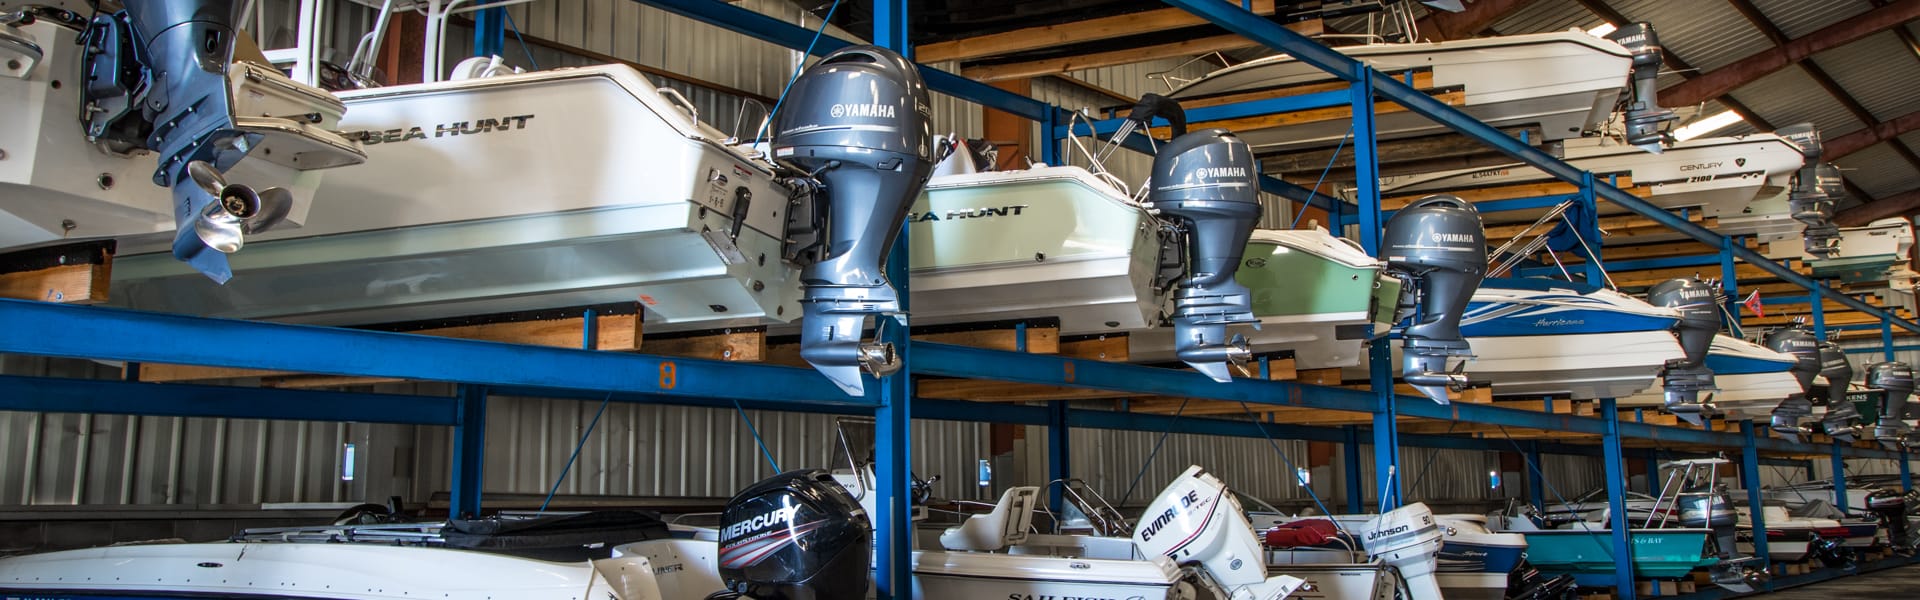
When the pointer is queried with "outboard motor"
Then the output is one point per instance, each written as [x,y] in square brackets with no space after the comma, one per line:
[1438,247]
[1408,540]
[157,80]
[1891,507]
[1684,378]
[796,536]
[1842,420]
[1644,114]
[857,126]
[1803,346]
[1204,182]
[1708,505]
[1815,189]
[1895,381]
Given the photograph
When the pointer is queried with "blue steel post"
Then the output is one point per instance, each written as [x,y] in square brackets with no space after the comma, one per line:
[1536,478]
[1354,488]
[1617,498]
[893,420]
[1729,281]
[1386,438]
[1906,472]
[1819,315]
[1590,231]
[1750,477]
[469,451]
[1886,337]
[1059,465]
[1839,476]
[1653,474]
[490,31]
[1365,164]
[1050,145]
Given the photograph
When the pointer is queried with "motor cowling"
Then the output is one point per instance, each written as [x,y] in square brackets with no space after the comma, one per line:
[1439,247]
[1842,419]
[1645,118]
[1895,381]
[1805,349]
[857,123]
[1408,539]
[1685,378]
[796,536]
[1206,183]
[1892,507]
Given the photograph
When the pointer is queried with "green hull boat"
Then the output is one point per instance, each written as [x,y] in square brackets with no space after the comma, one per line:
[1657,553]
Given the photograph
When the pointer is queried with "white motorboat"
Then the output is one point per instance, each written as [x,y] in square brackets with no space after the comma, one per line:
[1475,562]
[1749,380]
[1566,83]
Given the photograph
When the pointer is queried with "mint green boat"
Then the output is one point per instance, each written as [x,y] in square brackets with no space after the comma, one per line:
[1657,553]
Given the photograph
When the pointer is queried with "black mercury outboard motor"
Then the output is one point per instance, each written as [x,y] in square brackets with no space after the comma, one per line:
[796,536]
[157,80]
[1809,199]
[857,125]
[1803,346]
[1892,507]
[1895,380]
[1684,378]
[1643,111]
[1438,247]
[1842,420]
[1204,182]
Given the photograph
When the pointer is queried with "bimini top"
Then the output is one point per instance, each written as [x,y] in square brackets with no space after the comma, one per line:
[1318,242]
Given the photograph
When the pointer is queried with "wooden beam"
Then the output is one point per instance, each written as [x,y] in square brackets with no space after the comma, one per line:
[1744,272]
[1875,133]
[1334,113]
[732,345]
[1440,26]
[1725,79]
[1507,192]
[1421,80]
[1903,204]
[1063,34]
[1067,64]
[78,274]
[1616,225]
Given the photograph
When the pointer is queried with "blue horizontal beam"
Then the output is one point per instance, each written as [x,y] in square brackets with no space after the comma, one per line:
[110,396]
[1278,187]
[1877,350]
[88,332]
[1238,110]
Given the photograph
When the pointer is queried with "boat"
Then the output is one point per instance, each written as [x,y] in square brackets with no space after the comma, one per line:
[1871,252]
[1475,562]
[1565,83]
[101,178]
[1789,418]
[1658,553]
[1788,539]
[1749,380]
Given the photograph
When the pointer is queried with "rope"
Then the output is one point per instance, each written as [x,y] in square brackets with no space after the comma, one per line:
[576,452]
[1323,175]
[797,68]
[1155,452]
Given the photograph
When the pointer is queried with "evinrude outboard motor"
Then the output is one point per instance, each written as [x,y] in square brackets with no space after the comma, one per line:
[1815,189]
[1205,182]
[796,536]
[1895,381]
[157,80]
[1643,111]
[1438,246]
[1684,378]
[1891,507]
[1842,420]
[856,123]
[1803,346]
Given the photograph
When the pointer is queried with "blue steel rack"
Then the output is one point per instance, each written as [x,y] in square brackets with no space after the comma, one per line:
[98,333]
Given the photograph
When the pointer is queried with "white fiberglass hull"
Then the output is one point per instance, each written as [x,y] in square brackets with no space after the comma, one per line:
[945,575]
[1751,380]
[551,189]
[1565,82]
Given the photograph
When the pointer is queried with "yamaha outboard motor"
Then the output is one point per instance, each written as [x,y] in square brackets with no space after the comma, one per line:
[1803,346]
[1815,189]
[856,123]
[1645,117]
[1439,248]
[1205,183]
[1684,378]
[1892,507]
[1895,380]
[157,80]
[1842,420]
[796,536]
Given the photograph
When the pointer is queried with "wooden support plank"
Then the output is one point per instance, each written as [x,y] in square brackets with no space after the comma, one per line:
[1111,347]
[1040,340]
[733,345]
[1319,376]
[1055,66]
[1422,80]
[1616,225]
[1336,113]
[74,274]
[1744,272]
[1054,36]
[1508,192]
[982,390]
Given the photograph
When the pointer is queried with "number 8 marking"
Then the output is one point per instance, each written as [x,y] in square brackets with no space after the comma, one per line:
[669,375]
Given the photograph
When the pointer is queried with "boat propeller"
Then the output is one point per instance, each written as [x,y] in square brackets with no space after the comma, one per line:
[1438,246]
[1204,182]
[1645,118]
[226,212]
[1806,349]
[1842,420]
[1685,378]
[856,123]
[1894,379]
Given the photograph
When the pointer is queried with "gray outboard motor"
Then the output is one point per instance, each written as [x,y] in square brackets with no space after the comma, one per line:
[1809,198]
[1842,420]
[1644,114]
[157,80]
[1684,378]
[856,123]
[1439,248]
[1204,181]
[1802,345]
[1895,380]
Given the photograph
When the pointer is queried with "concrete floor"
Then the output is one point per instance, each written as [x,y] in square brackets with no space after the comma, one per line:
[1903,582]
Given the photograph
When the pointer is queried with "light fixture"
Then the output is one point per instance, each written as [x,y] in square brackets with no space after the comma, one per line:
[1712,123]
[346,463]
[1602,30]
[1302,477]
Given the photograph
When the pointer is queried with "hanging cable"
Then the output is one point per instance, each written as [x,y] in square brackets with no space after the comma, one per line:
[1323,175]
[1155,451]
[576,452]
[1427,466]
[756,437]
[797,68]
[532,65]
[1293,469]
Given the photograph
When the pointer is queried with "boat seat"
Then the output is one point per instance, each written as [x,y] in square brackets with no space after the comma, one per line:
[1005,526]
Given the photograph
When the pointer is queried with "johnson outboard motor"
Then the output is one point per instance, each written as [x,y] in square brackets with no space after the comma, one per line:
[1438,247]
[1892,507]
[1408,540]
[1895,381]
[1803,346]
[1645,117]
[796,536]
[856,123]
[157,80]
[1205,183]
[1684,378]
[1815,189]
[1842,420]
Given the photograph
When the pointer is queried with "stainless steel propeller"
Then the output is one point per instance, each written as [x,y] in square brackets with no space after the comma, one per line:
[237,210]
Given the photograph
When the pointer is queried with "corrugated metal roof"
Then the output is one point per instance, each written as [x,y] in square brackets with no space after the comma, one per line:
[1707,34]
[1791,96]
[1800,17]
[1878,71]
[1879,170]
[1547,15]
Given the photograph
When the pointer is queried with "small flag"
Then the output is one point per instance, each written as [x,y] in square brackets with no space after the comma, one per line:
[1753,304]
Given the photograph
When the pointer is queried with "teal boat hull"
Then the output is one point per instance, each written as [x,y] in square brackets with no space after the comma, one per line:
[1657,553]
